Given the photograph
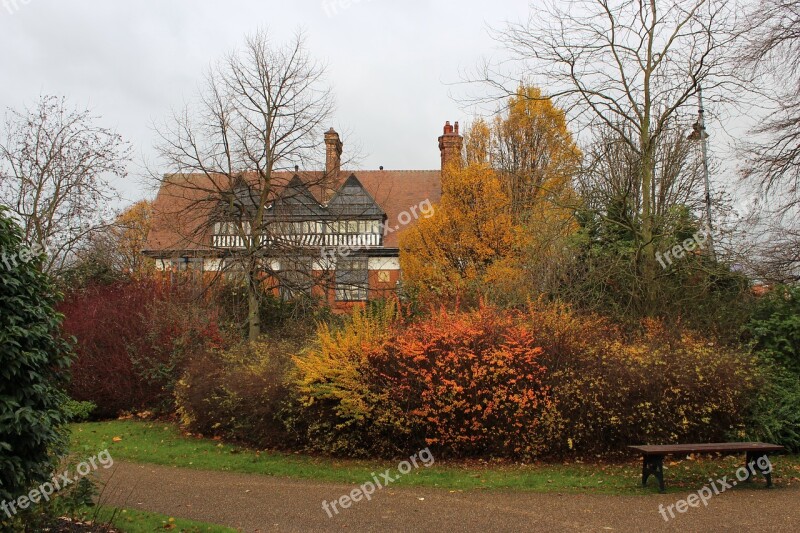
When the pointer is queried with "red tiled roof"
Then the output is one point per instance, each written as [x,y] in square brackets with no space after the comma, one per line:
[185,202]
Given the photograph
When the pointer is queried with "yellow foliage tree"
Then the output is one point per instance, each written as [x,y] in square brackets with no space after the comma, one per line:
[478,142]
[534,151]
[536,158]
[501,227]
[469,240]
[129,234]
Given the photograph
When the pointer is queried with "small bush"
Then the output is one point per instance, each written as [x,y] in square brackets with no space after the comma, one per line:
[79,411]
[241,394]
[774,412]
[75,502]
[775,327]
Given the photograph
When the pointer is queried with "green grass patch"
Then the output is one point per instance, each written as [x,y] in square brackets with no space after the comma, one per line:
[133,521]
[164,444]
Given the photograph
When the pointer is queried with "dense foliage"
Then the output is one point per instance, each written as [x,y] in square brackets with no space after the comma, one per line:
[133,340]
[470,240]
[774,332]
[774,412]
[469,384]
[543,382]
[775,327]
[34,362]
[240,394]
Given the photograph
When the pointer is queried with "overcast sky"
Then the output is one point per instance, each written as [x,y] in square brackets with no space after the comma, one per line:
[389,62]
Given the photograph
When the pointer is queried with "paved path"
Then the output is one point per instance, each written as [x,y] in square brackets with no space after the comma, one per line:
[255,503]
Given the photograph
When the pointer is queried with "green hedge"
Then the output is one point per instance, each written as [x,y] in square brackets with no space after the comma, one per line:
[34,363]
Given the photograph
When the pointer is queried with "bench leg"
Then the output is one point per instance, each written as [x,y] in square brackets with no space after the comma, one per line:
[653,465]
[752,460]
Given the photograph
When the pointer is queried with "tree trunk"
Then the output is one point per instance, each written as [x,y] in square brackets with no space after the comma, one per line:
[253,307]
[648,254]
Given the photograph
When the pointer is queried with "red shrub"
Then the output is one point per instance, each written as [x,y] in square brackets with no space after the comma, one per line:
[132,338]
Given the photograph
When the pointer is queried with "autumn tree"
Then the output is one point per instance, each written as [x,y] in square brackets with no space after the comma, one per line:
[260,114]
[129,234]
[534,152]
[56,170]
[115,251]
[536,160]
[468,244]
[478,143]
[630,67]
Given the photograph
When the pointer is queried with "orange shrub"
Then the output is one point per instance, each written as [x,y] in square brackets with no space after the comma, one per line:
[471,383]
[468,384]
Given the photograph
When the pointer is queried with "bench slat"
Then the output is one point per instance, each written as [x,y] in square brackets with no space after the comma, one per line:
[669,449]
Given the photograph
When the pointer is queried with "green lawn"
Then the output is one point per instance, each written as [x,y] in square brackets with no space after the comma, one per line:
[164,444]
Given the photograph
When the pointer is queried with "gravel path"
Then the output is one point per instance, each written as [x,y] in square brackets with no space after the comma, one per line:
[255,503]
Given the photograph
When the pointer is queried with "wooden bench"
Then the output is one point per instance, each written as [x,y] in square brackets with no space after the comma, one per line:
[653,457]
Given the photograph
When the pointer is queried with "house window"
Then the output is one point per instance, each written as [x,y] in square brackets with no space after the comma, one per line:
[356,227]
[352,278]
[295,278]
[231,228]
[187,263]
[300,228]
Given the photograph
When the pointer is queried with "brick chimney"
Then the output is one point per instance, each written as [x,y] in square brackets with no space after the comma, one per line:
[450,145]
[333,153]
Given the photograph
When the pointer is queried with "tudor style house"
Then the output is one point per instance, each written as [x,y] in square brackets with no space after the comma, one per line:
[333,224]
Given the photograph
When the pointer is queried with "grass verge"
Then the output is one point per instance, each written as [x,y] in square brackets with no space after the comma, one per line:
[133,521]
[164,444]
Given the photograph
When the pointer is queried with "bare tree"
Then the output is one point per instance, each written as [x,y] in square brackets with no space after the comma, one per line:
[234,155]
[55,171]
[770,53]
[611,172]
[630,67]
[771,49]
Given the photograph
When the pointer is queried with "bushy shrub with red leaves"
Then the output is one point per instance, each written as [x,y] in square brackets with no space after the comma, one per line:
[132,339]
